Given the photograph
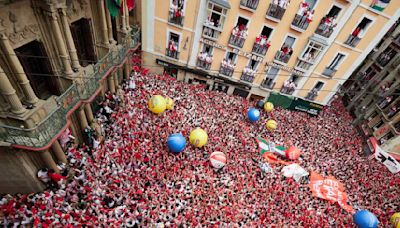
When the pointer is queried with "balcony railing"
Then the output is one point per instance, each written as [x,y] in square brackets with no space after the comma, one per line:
[311,95]
[329,72]
[236,40]
[227,71]
[352,41]
[303,64]
[251,4]
[268,83]
[287,90]
[275,11]
[203,64]
[211,32]
[324,29]
[247,77]
[172,54]
[56,120]
[282,57]
[260,49]
[178,20]
[300,22]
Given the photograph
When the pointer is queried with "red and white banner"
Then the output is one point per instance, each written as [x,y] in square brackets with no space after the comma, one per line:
[329,189]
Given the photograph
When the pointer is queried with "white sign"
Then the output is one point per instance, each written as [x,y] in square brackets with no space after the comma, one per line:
[387,160]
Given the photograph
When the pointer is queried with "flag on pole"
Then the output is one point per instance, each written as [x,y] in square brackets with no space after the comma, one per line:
[130,4]
[380,5]
[114,7]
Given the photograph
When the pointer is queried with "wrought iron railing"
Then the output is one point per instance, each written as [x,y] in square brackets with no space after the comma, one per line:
[237,40]
[251,4]
[282,57]
[329,72]
[275,11]
[352,41]
[203,64]
[247,77]
[324,29]
[174,19]
[300,22]
[260,49]
[226,71]
[40,135]
[172,54]
[268,83]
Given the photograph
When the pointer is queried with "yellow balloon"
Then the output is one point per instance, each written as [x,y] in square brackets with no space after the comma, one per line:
[169,102]
[198,137]
[271,125]
[268,106]
[157,104]
[395,220]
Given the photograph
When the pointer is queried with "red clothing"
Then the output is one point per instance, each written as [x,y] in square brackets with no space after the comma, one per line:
[56,177]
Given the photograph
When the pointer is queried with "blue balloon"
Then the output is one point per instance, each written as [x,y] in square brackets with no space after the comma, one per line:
[176,143]
[365,219]
[253,114]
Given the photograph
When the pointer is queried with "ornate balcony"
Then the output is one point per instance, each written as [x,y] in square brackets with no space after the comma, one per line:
[352,41]
[260,49]
[300,23]
[303,65]
[227,71]
[42,134]
[287,90]
[329,72]
[210,31]
[177,20]
[251,4]
[247,77]
[268,83]
[275,12]
[281,57]
[172,54]
[237,41]
[324,30]
[203,64]
[312,95]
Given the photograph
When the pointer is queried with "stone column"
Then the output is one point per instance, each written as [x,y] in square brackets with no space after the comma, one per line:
[58,152]
[103,21]
[116,79]
[111,84]
[18,70]
[89,113]
[123,18]
[110,29]
[127,71]
[70,40]
[48,160]
[60,44]
[8,92]
[82,118]
[128,27]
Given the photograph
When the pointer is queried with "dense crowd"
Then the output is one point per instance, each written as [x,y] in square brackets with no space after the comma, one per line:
[130,179]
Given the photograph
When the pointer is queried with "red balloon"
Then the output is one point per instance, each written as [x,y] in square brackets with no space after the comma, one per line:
[293,153]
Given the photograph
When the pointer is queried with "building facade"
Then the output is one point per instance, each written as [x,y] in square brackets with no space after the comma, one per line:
[57,59]
[372,93]
[306,49]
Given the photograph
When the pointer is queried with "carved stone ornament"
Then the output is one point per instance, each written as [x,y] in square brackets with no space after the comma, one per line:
[28,32]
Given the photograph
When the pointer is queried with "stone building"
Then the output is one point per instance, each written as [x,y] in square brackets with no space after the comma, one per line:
[58,57]
[372,94]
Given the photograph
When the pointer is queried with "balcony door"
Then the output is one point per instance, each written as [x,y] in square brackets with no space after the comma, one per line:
[82,34]
[36,64]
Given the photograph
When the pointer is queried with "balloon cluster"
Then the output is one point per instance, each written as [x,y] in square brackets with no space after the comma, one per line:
[253,114]
[158,104]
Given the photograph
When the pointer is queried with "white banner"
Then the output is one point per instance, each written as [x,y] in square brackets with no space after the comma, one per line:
[387,160]
[295,171]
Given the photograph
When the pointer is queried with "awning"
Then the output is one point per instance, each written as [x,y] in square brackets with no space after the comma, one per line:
[223,3]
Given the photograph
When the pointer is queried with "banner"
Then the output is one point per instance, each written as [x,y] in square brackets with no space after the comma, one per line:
[266,146]
[386,159]
[295,171]
[329,189]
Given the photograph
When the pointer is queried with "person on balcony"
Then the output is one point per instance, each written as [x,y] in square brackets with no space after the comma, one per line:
[385,102]
[355,34]
[209,60]
[303,8]
[285,87]
[172,49]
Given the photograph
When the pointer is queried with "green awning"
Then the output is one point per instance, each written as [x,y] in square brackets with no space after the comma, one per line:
[223,3]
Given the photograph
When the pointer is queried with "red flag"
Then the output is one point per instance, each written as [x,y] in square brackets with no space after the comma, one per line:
[130,4]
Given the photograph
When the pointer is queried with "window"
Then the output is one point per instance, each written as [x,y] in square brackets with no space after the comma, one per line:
[83,41]
[242,22]
[359,31]
[388,54]
[336,61]
[173,46]
[253,64]
[270,77]
[216,14]
[312,52]
[266,32]
[379,5]
[207,49]
[294,78]
[311,3]
[319,86]
[334,12]
[289,41]
[176,13]
[231,56]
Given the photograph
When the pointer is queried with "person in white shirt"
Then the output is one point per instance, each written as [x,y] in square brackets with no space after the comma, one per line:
[43,175]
